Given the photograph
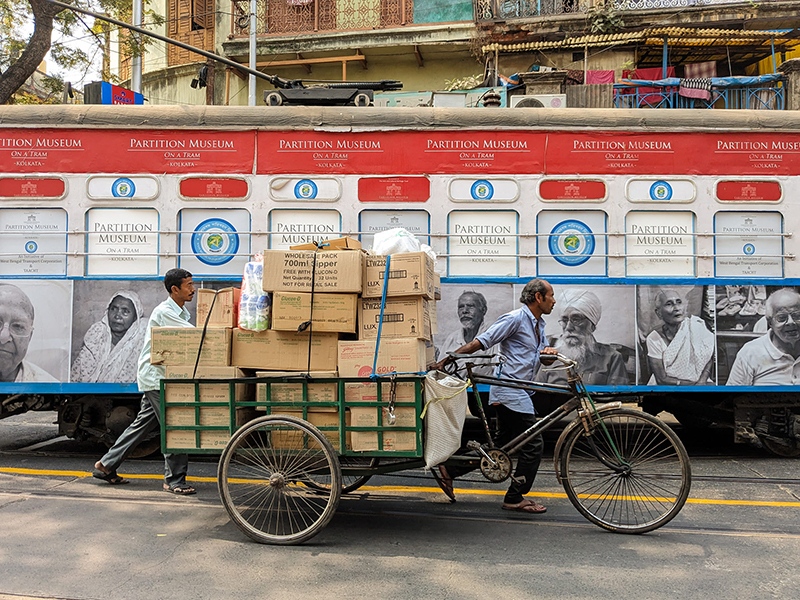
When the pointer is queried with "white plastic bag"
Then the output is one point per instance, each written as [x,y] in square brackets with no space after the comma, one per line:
[395,241]
[254,303]
[444,414]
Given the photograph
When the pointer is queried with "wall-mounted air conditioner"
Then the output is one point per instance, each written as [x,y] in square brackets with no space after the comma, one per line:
[539,101]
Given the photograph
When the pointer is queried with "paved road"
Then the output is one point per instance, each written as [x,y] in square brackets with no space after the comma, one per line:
[66,535]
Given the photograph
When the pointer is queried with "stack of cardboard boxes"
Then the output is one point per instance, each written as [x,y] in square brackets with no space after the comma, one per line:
[406,333]
[176,348]
[337,337]
[336,271]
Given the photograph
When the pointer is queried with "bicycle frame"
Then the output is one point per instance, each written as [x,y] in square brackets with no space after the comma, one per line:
[579,400]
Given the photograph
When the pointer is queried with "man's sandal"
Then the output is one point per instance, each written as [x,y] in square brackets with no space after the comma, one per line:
[526,506]
[111,477]
[180,489]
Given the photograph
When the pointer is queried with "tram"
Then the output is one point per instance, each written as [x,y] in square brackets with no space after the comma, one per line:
[667,235]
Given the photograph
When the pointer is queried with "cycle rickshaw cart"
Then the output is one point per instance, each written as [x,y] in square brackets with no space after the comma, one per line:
[281,475]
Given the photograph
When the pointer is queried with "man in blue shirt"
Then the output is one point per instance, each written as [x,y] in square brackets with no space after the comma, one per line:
[520,338]
[170,313]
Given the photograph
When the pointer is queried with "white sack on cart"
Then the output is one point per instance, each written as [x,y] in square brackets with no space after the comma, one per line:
[444,415]
[399,241]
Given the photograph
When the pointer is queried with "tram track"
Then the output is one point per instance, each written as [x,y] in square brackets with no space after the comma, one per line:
[347,509]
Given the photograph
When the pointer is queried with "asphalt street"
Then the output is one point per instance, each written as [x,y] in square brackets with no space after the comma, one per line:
[68,536]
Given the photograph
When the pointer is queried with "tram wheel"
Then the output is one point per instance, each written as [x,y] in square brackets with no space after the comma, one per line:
[785,448]
[279,479]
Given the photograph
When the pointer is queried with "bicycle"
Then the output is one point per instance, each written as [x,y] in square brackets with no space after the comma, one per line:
[622,469]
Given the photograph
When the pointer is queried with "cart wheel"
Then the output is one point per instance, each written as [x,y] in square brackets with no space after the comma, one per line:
[350,483]
[639,495]
[279,479]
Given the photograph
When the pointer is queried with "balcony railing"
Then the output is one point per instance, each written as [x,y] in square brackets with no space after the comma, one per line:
[282,17]
[504,10]
[753,97]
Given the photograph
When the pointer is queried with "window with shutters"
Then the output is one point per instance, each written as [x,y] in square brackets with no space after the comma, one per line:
[125,58]
[190,22]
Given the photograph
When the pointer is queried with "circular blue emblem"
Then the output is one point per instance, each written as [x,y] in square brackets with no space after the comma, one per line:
[571,243]
[305,189]
[481,190]
[123,188]
[31,247]
[660,190]
[215,241]
[749,249]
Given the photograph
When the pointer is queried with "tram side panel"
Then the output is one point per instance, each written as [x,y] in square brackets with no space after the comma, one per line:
[618,249]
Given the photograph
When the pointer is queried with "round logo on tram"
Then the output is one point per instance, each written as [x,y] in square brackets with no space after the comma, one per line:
[215,242]
[305,189]
[482,190]
[31,247]
[123,188]
[660,190]
[571,243]
[749,249]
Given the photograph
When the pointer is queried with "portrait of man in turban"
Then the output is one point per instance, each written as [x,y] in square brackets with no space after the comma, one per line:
[598,363]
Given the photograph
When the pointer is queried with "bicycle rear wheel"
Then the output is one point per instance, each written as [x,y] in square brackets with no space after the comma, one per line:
[638,495]
[279,479]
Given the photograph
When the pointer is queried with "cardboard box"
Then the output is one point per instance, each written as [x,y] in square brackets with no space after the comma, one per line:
[283,350]
[179,346]
[332,312]
[434,315]
[430,353]
[293,392]
[409,275]
[209,392]
[342,243]
[226,307]
[186,439]
[338,271]
[437,286]
[287,440]
[368,392]
[402,355]
[398,441]
[402,318]
[208,416]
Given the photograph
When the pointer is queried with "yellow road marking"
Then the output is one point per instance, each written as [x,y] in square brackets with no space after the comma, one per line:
[405,488]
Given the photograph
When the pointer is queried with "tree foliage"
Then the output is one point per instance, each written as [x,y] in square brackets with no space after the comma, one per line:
[31,28]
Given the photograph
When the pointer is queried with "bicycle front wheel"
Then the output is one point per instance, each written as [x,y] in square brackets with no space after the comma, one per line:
[639,493]
[279,479]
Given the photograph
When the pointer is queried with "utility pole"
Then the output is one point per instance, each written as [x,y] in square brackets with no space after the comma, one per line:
[136,63]
[252,82]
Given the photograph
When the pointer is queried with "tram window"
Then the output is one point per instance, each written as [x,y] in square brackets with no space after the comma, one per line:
[289,227]
[571,242]
[660,243]
[122,241]
[483,242]
[748,244]
[371,222]
[214,242]
[34,242]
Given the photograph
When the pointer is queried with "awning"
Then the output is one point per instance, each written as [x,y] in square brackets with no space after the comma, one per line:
[685,36]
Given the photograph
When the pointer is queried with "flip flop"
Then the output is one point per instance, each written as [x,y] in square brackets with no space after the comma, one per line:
[111,478]
[180,490]
[526,506]
[445,482]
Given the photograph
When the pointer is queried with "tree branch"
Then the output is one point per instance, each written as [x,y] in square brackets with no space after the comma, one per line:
[16,75]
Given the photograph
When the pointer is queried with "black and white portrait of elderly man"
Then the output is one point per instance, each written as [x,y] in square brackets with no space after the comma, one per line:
[598,363]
